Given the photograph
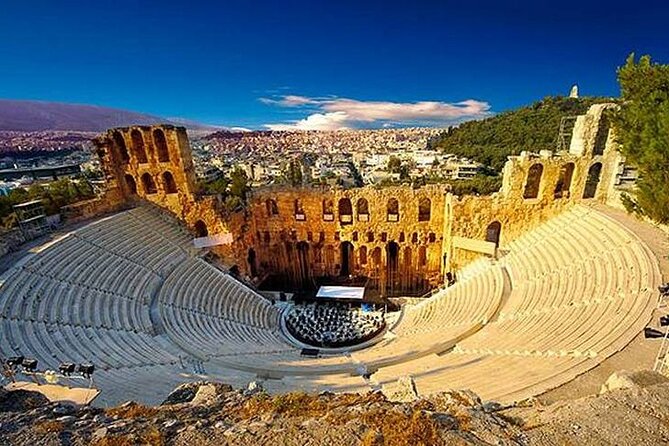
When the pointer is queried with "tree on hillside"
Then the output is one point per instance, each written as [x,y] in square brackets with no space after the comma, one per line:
[239,184]
[292,173]
[394,164]
[532,128]
[642,129]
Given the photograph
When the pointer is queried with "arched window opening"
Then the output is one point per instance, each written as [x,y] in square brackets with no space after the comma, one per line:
[432,237]
[533,182]
[370,237]
[393,210]
[414,237]
[318,255]
[329,256]
[299,211]
[362,209]
[563,186]
[303,262]
[161,146]
[401,238]
[122,149]
[392,262]
[493,232]
[363,255]
[266,237]
[251,258]
[354,236]
[138,146]
[200,229]
[347,260]
[602,135]
[424,209]
[148,184]
[407,259]
[422,256]
[328,210]
[169,184]
[271,208]
[592,181]
[345,211]
[376,257]
[130,182]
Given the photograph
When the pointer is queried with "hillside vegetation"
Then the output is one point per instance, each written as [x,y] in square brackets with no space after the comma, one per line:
[532,128]
[643,132]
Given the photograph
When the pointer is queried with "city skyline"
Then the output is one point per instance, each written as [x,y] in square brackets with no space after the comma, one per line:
[306,66]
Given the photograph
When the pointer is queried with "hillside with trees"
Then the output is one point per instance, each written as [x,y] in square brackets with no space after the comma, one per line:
[532,128]
[642,126]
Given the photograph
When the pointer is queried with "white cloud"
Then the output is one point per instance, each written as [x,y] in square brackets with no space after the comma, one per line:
[341,113]
[316,121]
[290,100]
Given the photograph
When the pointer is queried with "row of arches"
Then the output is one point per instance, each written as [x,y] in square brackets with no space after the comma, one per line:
[149,185]
[563,185]
[391,269]
[368,237]
[345,210]
[138,146]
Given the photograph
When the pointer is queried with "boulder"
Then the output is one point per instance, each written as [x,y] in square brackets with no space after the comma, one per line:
[21,400]
[206,395]
[632,380]
[402,391]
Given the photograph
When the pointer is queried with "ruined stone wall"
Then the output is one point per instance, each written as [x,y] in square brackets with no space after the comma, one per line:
[565,178]
[301,234]
[308,233]
[150,162]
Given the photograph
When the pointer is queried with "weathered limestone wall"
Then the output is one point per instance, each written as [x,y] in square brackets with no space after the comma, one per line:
[381,234]
[307,233]
[593,144]
[150,162]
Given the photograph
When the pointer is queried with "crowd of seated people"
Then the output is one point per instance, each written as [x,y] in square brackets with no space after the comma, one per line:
[333,324]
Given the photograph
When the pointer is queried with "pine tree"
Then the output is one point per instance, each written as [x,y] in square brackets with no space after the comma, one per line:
[642,129]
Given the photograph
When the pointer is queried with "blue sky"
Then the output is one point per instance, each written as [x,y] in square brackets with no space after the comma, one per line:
[340,63]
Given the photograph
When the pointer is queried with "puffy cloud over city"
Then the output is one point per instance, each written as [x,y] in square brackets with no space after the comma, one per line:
[342,113]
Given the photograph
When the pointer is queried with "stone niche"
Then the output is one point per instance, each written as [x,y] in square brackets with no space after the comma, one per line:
[399,238]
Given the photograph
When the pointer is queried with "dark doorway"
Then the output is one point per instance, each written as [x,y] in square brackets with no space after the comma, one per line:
[564,181]
[303,263]
[130,182]
[592,181]
[346,259]
[493,232]
[201,229]
[252,262]
[392,260]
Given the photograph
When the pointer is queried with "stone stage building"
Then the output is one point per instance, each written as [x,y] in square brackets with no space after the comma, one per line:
[402,240]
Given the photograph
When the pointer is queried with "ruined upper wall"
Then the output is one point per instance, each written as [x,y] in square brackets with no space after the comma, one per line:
[150,162]
[305,232]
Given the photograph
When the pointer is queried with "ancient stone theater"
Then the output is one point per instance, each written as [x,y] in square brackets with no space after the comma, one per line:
[346,290]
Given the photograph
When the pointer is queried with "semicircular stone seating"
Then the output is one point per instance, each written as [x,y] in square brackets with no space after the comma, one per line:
[131,295]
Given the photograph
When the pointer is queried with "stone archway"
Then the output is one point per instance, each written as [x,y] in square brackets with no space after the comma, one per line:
[493,232]
[392,266]
[347,260]
[251,259]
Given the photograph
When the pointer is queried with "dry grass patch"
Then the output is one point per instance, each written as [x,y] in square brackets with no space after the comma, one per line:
[132,411]
[299,404]
[49,427]
[398,429]
[150,436]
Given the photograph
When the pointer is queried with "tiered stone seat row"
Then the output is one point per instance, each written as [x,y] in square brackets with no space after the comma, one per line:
[85,298]
[582,288]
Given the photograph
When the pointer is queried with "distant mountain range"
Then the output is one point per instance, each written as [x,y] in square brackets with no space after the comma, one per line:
[36,116]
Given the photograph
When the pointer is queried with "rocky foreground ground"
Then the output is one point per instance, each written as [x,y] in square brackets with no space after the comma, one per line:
[633,409]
